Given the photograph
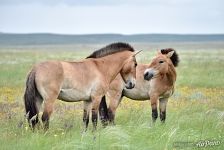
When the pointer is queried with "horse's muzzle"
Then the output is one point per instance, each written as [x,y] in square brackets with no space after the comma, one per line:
[130,85]
[148,74]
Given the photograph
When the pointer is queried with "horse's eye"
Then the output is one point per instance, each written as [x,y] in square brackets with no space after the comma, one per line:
[136,64]
[161,61]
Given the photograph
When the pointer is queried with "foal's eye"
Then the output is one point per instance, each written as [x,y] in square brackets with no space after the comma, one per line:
[161,61]
[136,64]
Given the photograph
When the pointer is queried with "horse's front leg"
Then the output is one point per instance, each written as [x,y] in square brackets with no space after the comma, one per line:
[95,107]
[114,102]
[154,99]
[86,110]
[162,108]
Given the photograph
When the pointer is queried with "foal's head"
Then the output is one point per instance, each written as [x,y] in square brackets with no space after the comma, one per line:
[128,71]
[161,63]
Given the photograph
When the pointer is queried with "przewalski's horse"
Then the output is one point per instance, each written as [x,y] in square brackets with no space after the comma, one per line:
[87,80]
[154,82]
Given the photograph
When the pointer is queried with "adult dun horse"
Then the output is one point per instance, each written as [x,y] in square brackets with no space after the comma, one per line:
[154,81]
[87,80]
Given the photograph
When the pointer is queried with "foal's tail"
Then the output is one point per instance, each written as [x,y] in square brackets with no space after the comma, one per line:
[103,111]
[31,97]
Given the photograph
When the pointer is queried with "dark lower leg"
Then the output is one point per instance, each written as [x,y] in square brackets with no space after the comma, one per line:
[94,119]
[48,109]
[154,114]
[45,120]
[154,99]
[111,116]
[85,119]
[103,112]
[162,108]
[163,116]
[103,116]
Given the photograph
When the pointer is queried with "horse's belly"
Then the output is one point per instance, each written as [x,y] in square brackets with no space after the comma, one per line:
[73,95]
[136,94]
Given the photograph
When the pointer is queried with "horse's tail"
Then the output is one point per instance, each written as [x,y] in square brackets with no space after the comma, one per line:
[31,97]
[103,111]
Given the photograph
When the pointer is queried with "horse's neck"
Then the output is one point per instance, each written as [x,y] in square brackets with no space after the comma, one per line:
[111,65]
[171,75]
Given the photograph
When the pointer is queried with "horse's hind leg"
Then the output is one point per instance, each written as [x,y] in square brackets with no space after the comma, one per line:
[162,108]
[48,108]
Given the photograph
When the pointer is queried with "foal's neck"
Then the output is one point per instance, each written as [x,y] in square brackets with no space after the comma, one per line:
[171,75]
[111,65]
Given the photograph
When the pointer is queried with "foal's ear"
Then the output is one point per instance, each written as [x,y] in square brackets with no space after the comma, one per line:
[159,51]
[137,52]
[170,54]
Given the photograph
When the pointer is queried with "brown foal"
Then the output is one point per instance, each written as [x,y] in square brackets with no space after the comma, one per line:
[154,82]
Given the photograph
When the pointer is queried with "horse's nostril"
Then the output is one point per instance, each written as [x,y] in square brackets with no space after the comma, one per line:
[130,84]
[148,76]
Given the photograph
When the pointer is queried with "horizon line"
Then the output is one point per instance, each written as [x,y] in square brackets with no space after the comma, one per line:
[111,33]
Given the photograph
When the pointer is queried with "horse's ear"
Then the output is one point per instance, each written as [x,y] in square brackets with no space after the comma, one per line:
[159,51]
[170,54]
[137,52]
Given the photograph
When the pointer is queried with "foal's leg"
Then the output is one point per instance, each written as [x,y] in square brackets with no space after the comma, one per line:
[162,108]
[114,102]
[86,110]
[154,99]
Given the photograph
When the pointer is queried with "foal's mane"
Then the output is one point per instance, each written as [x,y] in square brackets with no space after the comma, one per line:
[174,58]
[111,49]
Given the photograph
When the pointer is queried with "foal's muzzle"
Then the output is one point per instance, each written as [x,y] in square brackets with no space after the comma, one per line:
[130,84]
[148,74]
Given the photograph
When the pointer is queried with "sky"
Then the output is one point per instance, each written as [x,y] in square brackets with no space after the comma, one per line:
[112,16]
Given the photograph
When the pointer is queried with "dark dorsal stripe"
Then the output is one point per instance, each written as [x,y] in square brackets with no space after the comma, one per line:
[111,49]
[174,58]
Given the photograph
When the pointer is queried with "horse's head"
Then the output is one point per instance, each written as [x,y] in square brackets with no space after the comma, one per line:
[159,65]
[128,71]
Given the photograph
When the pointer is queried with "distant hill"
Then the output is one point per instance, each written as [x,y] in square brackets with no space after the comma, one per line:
[54,39]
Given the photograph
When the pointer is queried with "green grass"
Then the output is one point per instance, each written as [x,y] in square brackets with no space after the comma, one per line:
[195,112]
[201,68]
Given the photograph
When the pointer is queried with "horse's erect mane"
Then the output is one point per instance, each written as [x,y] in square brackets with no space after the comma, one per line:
[111,49]
[174,58]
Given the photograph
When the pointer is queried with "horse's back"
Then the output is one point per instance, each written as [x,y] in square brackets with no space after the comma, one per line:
[48,71]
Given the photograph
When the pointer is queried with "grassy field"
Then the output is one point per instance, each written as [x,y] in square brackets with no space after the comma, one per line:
[195,115]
